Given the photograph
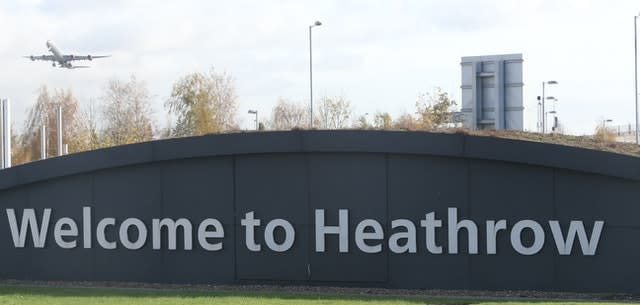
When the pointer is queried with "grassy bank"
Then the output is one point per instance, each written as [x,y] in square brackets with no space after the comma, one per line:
[70,296]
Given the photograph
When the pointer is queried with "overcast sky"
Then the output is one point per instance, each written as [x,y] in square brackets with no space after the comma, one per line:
[379,54]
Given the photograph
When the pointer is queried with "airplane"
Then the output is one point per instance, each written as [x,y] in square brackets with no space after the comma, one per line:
[62,61]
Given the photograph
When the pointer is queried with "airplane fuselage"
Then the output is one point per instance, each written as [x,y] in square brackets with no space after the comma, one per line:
[58,55]
[54,50]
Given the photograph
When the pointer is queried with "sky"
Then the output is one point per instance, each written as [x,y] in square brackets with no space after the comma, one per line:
[381,55]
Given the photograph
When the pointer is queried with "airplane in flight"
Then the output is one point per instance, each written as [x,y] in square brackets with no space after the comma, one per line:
[61,60]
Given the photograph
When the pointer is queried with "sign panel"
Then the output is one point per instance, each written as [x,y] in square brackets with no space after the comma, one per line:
[399,210]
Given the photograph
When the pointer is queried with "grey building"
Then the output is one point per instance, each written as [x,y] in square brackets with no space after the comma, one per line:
[492,92]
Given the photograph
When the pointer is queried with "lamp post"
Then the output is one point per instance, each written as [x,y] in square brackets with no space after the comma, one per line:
[604,123]
[539,114]
[315,24]
[635,54]
[256,119]
[544,121]
[546,115]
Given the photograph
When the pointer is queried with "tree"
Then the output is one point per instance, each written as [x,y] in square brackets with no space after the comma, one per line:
[333,112]
[45,112]
[203,103]
[87,135]
[382,120]
[126,113]
[406,122]
[362,122]
[604,134]
[434,109]
[19,153]
[287,115]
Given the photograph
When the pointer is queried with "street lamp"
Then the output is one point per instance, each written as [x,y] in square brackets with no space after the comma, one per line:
[315,24]
[544,122]
[635,53]
[546,115]
[604,123]
[256,119]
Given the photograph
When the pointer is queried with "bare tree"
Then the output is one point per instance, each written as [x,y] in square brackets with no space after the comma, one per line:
[287,115]
[434,109]
[406,122]
[44,112]
[382,121]
[362,122]
[126,113]
[203,103]
[333,112]
[87,135]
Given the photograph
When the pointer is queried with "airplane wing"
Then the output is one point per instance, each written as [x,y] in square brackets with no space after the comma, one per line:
[79,67]
[41,57]
[83,57]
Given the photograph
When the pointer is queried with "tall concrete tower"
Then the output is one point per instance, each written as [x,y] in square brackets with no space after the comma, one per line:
[492,92]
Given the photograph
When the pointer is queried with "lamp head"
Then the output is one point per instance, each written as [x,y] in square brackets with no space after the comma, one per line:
[253,111]
[552,82]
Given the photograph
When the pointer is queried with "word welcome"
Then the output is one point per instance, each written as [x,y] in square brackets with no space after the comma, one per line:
[368,234]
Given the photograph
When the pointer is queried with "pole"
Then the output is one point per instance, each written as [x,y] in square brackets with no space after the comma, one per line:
[60,153]
[6,131]
[256,119]
[43,142]
[2,134]
[635,44]
[310,79]
[544,121]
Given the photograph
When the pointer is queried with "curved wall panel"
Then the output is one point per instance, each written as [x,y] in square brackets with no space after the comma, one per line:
[366,208]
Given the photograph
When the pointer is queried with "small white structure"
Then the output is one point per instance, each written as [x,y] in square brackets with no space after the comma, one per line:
[492,92]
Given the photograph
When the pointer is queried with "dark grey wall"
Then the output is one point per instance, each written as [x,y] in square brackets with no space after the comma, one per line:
[374,174]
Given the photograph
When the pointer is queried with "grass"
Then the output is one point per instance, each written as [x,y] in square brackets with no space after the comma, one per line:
[588,142]
[70,296]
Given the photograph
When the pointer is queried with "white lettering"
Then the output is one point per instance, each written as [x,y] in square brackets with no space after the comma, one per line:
[29,220]
[59,232]
[289,235]
[86,227]
[454,228]
[341,230]
[362,236]
[250,223]
[124,233]
[100,233]
[430,223]
[172,228]
[409,235]
[538,237]
[492,234]
[588,246]
[203,234]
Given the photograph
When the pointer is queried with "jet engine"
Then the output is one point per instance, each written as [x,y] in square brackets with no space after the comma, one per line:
[33,58]
[89,57]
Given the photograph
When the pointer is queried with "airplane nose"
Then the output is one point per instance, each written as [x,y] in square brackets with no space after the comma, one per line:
[48,43]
